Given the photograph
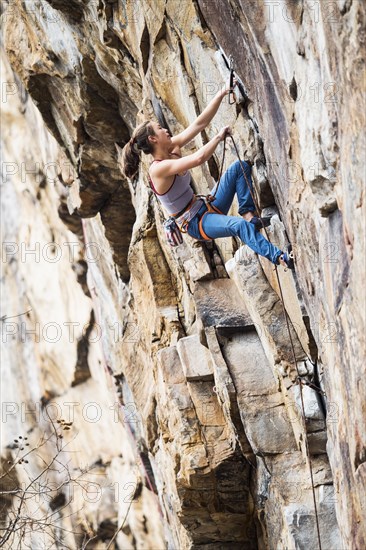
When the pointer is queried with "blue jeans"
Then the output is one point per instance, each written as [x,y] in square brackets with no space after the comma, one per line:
[221,225]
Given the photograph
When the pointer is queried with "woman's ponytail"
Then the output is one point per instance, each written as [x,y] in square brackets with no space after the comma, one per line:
[131,152]
[130,160]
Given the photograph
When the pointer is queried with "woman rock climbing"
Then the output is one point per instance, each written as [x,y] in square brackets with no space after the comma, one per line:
[170,180]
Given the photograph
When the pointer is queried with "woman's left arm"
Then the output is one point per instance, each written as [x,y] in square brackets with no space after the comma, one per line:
[203,119]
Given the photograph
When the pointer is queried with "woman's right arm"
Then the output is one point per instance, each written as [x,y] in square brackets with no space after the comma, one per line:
[169,167]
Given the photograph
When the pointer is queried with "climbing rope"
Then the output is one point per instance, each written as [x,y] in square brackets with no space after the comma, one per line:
[211,198]
[299,379]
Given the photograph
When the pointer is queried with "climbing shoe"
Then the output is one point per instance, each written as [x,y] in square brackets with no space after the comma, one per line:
[259,223]
[288,257]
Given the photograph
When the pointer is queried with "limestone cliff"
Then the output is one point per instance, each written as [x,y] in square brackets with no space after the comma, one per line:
[177,362]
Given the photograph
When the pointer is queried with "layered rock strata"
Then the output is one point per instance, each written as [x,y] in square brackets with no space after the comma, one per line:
[204,350]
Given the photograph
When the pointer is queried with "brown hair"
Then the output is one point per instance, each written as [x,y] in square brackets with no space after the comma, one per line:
[131,152]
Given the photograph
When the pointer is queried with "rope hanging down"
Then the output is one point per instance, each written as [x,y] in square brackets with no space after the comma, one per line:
[210,198]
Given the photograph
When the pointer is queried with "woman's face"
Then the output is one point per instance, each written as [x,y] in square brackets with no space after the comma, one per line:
[162,134]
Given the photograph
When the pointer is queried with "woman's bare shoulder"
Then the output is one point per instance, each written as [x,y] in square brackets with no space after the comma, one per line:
[174,154]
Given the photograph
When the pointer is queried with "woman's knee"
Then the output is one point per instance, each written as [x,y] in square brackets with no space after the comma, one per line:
[237,166]
[246,228]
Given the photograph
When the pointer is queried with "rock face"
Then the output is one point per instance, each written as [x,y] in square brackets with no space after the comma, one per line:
[212,376]
[53,365]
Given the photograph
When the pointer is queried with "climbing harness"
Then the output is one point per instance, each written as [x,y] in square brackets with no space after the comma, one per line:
[177,224]
[188,213]
[210,208]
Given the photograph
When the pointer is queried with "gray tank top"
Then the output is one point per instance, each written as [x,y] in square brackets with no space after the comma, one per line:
[178,195]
